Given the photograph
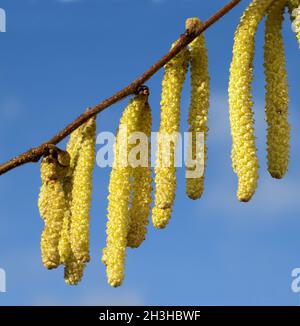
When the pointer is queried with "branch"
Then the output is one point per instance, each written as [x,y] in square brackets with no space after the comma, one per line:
[34,154]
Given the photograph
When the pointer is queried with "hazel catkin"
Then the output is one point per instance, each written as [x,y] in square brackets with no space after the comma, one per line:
[278,133]
[52,205]
[74,268]
[244,158]
[64,245]
[165,171]
[141,187]
[74,147]
[81,193]
[73,271]
[198,113]
[119,196]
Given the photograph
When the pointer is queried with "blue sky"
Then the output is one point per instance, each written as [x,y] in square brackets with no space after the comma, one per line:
[59,57]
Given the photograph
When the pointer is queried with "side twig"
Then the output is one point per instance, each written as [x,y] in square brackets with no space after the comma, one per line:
[34,154]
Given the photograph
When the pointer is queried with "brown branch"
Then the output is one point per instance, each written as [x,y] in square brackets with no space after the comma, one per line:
[34,154]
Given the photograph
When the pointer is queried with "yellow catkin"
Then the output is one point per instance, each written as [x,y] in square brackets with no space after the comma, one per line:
[81,194]
[74,269]
[244,158]
[278,135]
[43,200]
[73,272]
[141,187]
[73,148]
[64,245]
[165,178]
[294,10]
[52,205]
[119,198]
[198,112]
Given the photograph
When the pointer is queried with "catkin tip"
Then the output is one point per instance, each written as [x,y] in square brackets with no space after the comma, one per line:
[73,272]
[115,282]
[161,217]
[244,199]
[276,175]
[195,196]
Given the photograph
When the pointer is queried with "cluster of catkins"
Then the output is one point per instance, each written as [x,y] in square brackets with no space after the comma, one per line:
[244,158]
[65,195]
[130,187]
[64,203]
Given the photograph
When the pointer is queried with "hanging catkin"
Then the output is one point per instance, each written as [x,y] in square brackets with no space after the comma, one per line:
[74,147]
[278,135]
[119,195]
[294,10]
[198,112]
[64,246]
[81,193]
[165,178]
[73,271]
[141,187]
[52,205]
[244,159]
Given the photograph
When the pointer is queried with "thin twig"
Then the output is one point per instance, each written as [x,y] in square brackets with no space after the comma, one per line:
[34,154]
